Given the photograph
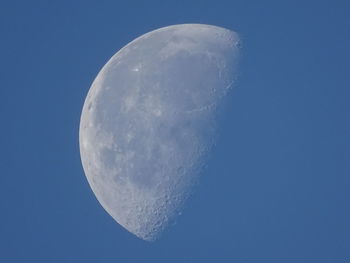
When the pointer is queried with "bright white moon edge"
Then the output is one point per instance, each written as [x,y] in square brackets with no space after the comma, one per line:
[149,121]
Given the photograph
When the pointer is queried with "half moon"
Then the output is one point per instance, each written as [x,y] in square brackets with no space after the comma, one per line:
[149,122]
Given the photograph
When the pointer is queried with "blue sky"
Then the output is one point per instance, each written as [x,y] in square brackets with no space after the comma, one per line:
[277,186]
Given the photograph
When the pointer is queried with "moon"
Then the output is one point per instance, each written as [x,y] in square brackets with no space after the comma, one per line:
[149,122]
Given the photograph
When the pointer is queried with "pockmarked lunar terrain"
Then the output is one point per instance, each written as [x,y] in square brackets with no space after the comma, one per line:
[150,119]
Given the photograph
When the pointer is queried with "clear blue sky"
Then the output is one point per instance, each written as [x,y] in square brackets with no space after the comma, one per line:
[277,186]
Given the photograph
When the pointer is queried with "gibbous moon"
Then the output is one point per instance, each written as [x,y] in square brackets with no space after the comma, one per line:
[149,122]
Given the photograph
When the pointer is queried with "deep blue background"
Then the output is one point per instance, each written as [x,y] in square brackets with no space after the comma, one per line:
[277,186]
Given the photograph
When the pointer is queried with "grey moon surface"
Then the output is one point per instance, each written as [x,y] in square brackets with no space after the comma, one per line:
[149,122]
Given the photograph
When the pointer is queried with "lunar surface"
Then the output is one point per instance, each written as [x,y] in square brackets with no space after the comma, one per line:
[150,119]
